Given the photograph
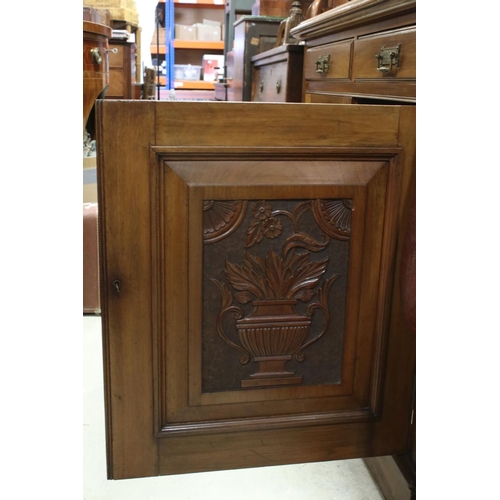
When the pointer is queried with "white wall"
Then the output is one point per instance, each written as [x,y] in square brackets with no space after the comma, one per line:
[146,11]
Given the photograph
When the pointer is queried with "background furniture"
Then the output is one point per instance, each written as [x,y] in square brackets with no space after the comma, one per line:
[121,15]
[95,64]
[348,53]
[122,70]
[365,53]
[252,35]
[95,84]
[232,11]
[277,75]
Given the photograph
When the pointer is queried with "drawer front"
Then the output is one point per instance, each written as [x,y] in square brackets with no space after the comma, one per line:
[328,61]
[270,83]
[366,64]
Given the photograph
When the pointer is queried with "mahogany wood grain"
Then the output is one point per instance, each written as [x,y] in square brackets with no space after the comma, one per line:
[95,76]
[125,249]
[159,163]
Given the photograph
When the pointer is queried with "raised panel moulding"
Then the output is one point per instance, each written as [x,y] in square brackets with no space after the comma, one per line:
[263,287]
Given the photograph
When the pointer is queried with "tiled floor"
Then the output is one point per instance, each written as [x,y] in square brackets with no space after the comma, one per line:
[338,480]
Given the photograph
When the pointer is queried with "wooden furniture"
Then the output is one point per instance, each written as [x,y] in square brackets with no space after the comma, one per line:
[250,299]
[233,10]
[277,75]
[95,65]
[220,91]
[121,15]
[364,52]
[252,35]
[122,68]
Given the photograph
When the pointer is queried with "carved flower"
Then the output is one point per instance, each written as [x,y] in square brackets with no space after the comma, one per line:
[287,276]
[262,210]
[272,227]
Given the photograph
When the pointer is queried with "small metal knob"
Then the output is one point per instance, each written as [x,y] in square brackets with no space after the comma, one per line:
[96,55]
[261,86]
[278,86]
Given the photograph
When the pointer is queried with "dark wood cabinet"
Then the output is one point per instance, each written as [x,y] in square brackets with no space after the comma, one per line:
[252,35]
[122,70]
[277,75]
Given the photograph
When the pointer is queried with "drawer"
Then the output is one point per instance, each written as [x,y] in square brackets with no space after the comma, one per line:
[270,84]
[327,62]
[367,49]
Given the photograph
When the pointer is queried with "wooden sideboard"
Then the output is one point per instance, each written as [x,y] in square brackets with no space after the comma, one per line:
[360,52]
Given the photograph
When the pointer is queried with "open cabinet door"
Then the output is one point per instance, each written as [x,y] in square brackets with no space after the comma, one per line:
[250,302]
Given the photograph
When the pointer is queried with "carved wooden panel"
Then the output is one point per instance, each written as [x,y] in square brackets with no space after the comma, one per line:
[256,321]
[275,274]
[267,285]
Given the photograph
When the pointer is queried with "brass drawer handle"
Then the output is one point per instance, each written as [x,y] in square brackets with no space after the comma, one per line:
[323,64]
[278,86]
[387,58]
[261,86]
[96,55]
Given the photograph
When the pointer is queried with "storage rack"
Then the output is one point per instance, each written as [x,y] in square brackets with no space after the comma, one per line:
[170,45]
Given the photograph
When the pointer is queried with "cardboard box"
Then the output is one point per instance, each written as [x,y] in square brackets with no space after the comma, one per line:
[119,10]
[211,23]
[118,4]
[208,33]
[158,37]
[184,32]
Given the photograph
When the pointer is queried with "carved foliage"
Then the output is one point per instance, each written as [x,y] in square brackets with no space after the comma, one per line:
[275,331]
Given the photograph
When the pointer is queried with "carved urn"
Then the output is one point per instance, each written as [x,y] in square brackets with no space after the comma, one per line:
[272,334]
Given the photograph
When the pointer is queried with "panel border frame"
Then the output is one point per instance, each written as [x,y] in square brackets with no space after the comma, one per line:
[166,426]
